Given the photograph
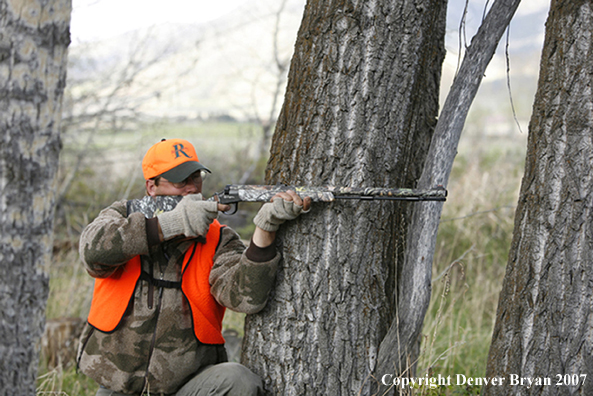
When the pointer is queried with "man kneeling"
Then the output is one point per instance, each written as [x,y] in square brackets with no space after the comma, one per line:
[162,285]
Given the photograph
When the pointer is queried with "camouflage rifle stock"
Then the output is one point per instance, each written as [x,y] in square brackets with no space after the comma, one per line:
[233,194]
[153,206]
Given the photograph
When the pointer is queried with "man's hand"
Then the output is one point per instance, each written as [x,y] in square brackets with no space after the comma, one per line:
[284,206]
[191,217]
[296,199]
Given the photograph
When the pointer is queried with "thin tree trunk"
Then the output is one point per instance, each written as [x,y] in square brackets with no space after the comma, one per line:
[34,36]
[360,110]
[544,323]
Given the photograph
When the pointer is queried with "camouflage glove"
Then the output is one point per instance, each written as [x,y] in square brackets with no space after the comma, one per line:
[274,213]
[191,217]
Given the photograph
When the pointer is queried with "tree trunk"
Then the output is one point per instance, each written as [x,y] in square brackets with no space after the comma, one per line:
[34,36]
[360,110]
[544,323]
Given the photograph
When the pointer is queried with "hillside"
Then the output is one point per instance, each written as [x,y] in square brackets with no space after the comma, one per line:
[226,67]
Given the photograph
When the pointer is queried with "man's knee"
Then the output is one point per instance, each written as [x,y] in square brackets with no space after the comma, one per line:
[224,378]
[236,374]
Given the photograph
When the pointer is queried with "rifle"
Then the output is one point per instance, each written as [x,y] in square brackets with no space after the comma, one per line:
[233,194]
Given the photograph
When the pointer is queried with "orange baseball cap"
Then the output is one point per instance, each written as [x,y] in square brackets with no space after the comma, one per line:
[173,159]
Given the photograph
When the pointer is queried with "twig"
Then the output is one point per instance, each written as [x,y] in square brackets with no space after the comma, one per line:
[508,62]
[479,213]
[457,261]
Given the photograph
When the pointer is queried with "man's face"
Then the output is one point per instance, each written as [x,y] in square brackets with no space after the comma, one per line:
[161,186]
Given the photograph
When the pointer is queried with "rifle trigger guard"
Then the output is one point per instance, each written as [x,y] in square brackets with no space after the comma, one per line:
[235,207]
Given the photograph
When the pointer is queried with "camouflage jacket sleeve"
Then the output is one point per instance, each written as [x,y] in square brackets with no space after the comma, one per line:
[112,239]
[240,280]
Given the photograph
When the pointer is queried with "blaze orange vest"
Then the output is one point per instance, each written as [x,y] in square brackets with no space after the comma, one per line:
[112,295]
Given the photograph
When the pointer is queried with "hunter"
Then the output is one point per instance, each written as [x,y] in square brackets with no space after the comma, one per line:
[162,285]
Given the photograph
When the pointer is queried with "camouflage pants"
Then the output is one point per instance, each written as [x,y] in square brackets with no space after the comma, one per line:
[231,379]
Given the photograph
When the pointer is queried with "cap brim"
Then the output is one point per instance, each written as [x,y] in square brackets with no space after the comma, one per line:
[183,171]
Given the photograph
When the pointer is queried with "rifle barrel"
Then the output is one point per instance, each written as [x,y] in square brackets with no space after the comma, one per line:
[262,193]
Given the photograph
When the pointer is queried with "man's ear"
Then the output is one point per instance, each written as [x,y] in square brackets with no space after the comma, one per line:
[151,187]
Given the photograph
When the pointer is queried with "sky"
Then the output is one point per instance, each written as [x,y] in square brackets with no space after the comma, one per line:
[98,19]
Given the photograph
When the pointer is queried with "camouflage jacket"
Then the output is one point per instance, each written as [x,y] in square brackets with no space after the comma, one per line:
[154,349]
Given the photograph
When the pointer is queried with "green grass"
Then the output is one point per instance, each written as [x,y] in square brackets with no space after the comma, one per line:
[472,245]
[208,137]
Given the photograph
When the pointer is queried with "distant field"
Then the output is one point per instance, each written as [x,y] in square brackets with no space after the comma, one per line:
[120,154]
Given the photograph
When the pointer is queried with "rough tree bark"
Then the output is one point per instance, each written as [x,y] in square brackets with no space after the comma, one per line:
[544,323]
[360,110]
[34,36]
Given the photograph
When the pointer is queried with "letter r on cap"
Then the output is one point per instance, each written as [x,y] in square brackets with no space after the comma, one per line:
[179,150]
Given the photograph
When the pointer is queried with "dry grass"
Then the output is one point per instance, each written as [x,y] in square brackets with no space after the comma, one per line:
[472,248]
